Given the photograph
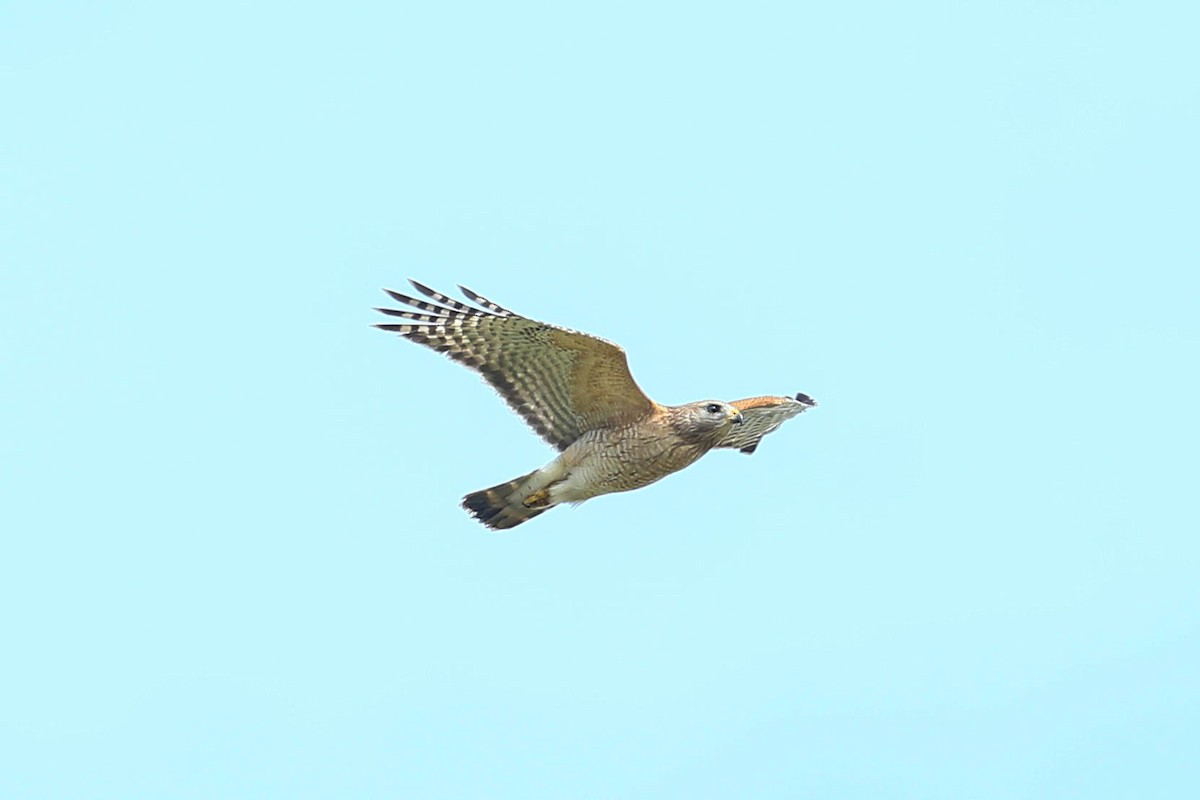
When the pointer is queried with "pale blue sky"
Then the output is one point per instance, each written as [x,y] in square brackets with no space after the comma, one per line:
[233,559]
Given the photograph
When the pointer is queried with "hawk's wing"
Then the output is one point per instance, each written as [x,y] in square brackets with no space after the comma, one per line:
[562,382]
[761,415]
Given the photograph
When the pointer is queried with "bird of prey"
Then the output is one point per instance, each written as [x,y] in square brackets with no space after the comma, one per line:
[576,391]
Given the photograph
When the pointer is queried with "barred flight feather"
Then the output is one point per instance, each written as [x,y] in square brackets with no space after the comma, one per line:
[421,304]
[443,299]
[483,301]
[395,312]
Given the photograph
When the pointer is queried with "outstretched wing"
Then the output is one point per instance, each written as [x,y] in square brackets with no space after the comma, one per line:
[761,415]
[562,382]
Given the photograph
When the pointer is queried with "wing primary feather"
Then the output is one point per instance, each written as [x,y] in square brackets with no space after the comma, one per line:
[421,304]
[403,329]
[395,312]
[441,298]
[488,304]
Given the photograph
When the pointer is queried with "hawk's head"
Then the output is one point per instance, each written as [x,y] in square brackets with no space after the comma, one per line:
[706,421]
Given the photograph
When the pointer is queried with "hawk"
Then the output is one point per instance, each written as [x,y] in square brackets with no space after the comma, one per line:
[576,391]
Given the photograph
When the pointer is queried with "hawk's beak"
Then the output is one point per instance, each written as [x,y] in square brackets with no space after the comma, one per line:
[737,418]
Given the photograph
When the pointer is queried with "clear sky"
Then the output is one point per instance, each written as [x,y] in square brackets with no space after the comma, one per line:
[234,565]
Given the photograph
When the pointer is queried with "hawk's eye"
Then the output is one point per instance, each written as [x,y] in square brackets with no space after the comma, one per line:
[713,408]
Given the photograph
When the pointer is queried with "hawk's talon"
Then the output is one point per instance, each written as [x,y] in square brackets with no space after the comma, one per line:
[539,499]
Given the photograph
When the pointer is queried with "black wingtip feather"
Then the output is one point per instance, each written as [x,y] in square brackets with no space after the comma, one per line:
[423,289]
[401,298]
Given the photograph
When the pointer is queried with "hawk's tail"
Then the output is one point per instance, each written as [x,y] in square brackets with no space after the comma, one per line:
[502,506]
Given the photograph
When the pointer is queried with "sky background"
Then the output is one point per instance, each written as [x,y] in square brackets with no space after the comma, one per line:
[233,562]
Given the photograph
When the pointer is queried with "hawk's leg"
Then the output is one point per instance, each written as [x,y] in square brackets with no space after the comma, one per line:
[539,499]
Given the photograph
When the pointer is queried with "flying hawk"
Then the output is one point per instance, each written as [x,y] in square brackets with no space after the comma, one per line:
[576,391]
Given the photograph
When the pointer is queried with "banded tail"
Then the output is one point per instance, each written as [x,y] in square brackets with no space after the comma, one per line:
[502,506]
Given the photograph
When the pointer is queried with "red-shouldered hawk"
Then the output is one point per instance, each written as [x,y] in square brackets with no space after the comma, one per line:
[576,391]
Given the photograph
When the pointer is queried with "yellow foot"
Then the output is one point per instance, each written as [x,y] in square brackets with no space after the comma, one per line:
[539,499]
